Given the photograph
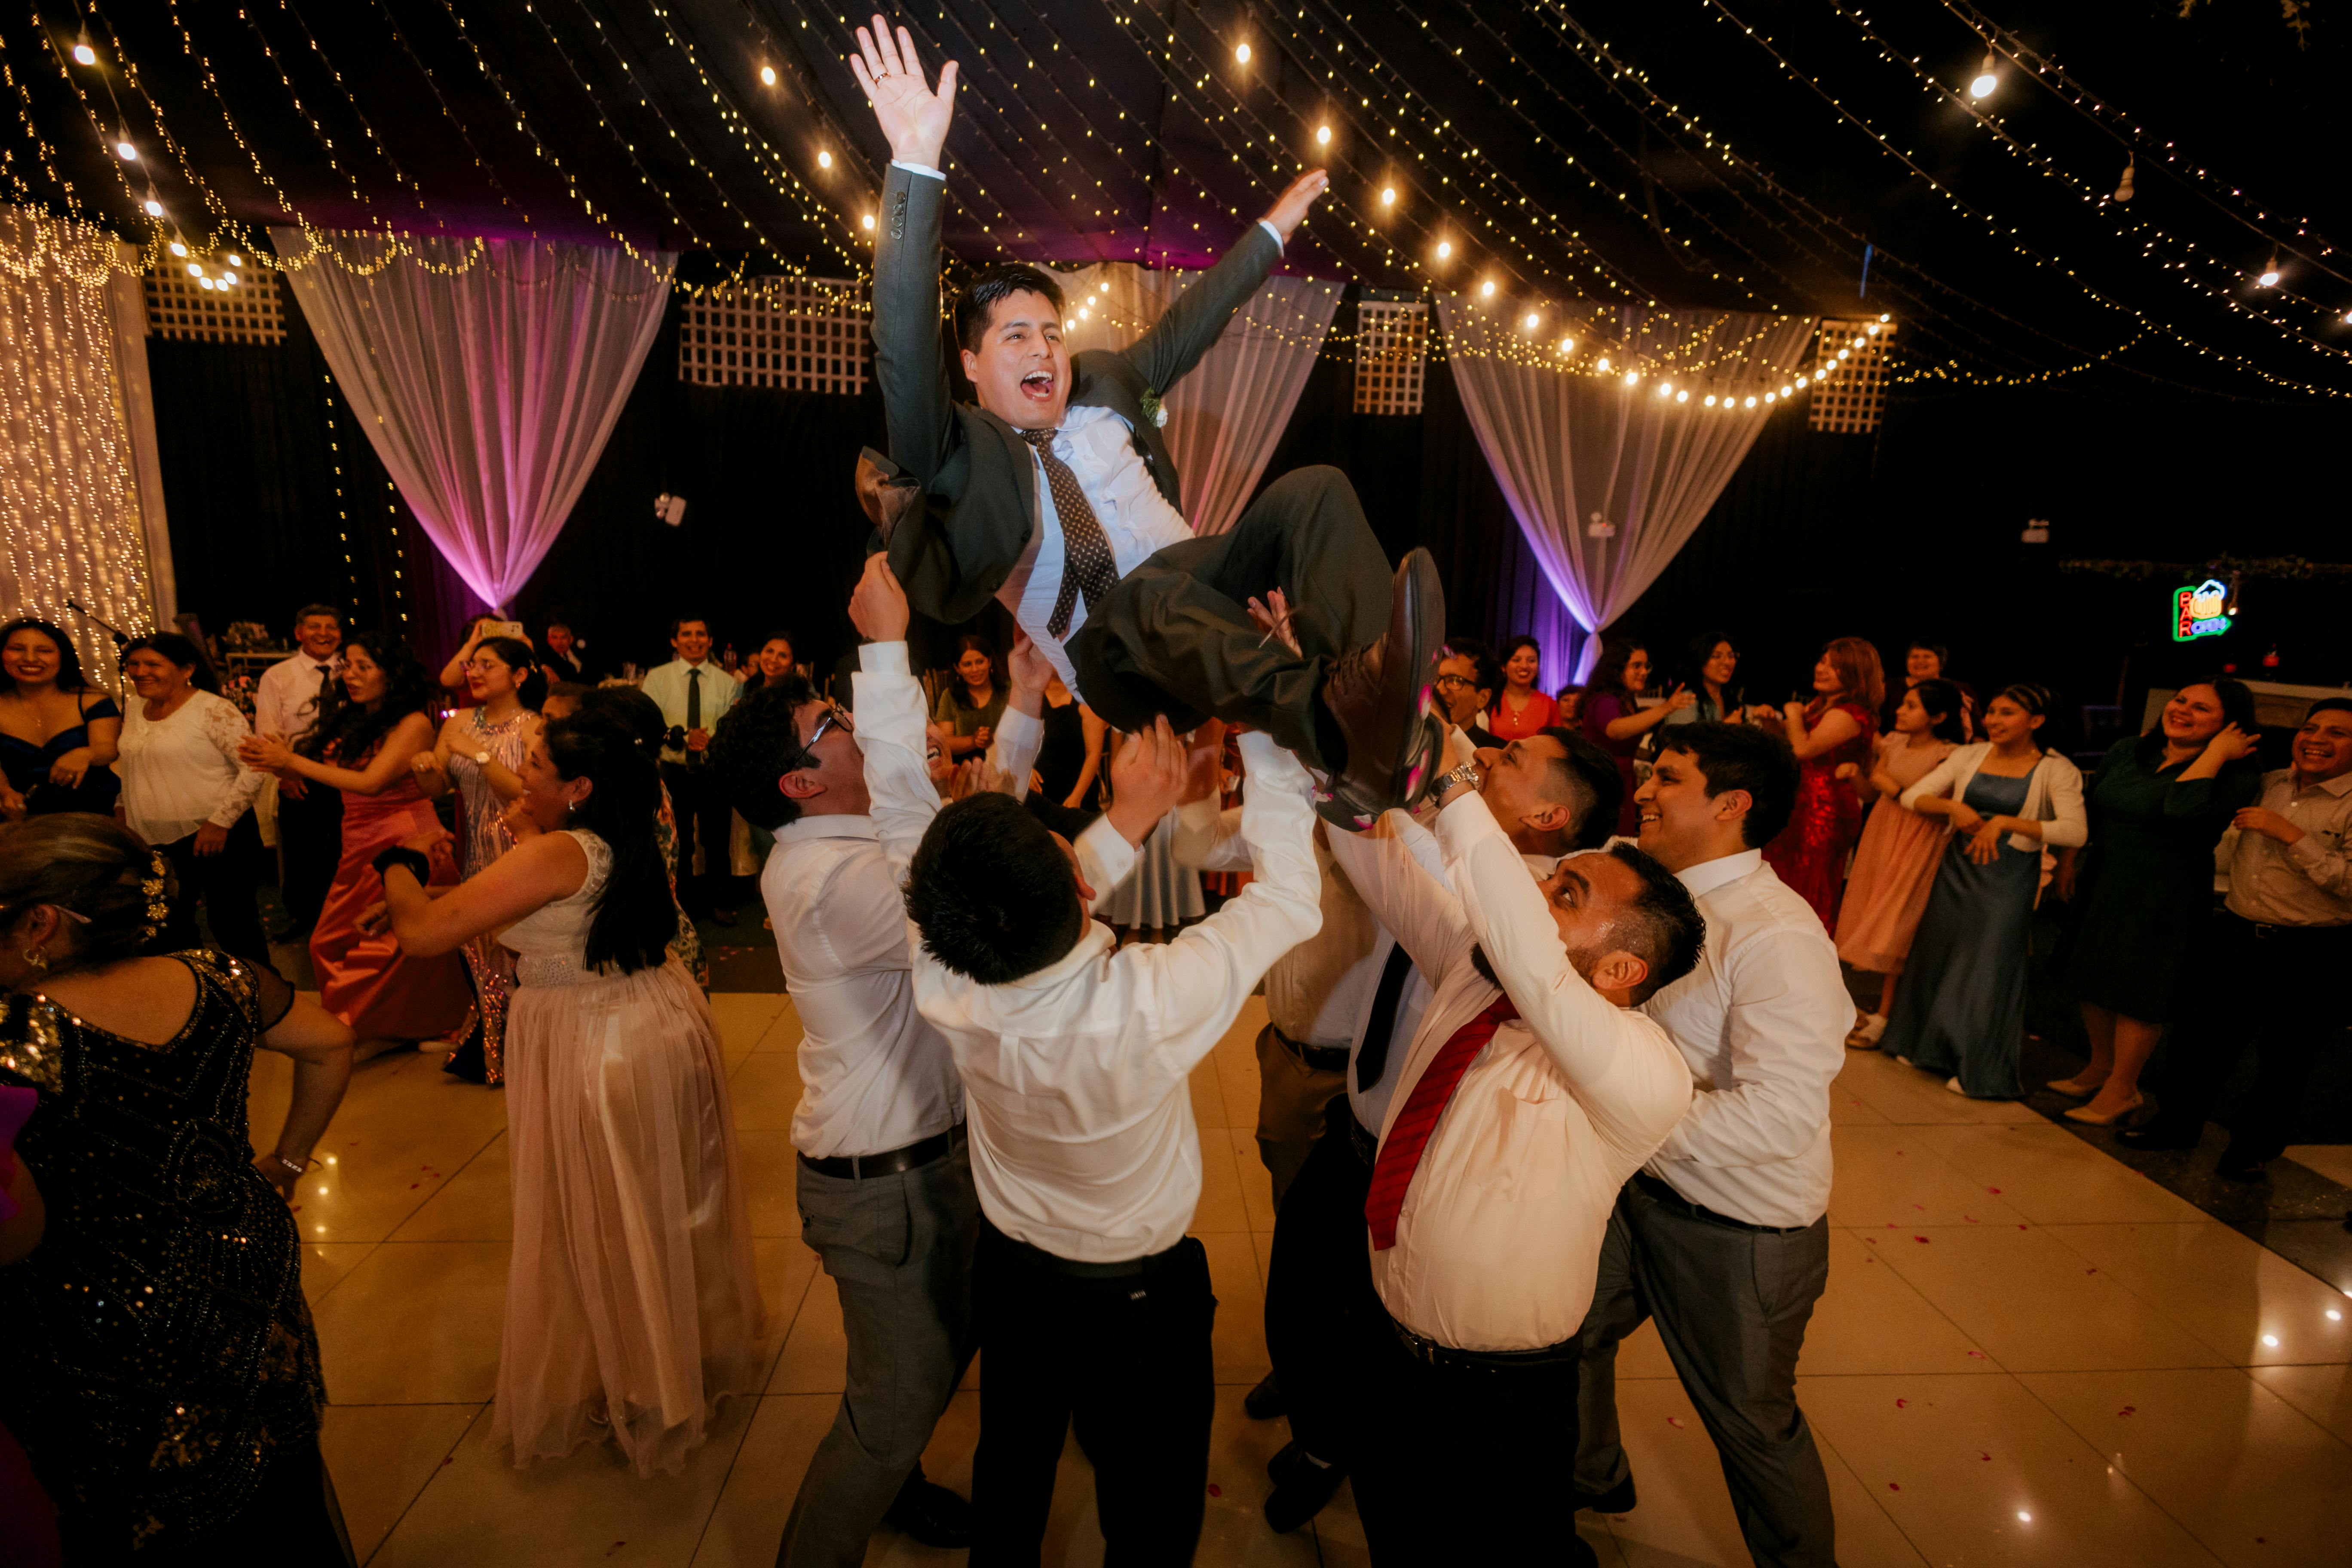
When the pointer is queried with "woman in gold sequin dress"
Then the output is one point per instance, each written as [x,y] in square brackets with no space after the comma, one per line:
[162,1374]
[631,1305]
[480,750]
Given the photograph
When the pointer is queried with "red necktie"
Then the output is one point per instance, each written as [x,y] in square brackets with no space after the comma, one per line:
[1400,1151]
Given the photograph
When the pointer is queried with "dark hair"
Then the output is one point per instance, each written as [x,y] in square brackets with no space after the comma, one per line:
[635,916]
[2037,701]
[1701,650]
[1485,675]
[633,709]
[1945,706]
[1743,757]
[1589,785]
[172,646]
[531,685]
[1943,655]
[991,892]
[758,677]
[1661,925]
[575,692]
[307,611]
[2325,705]
[70,675]
[1608,678]
[977,303]
[2237,699]
[346,729]
[677,621]
[758,742]
[89,863]
[973,642]
[558,621]
[1511,648]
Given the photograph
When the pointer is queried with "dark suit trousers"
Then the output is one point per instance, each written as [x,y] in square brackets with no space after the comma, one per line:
[2288,1001]
[1174,635]
[701,807]
[1123,1357]
[1318,1291]
[224,885]
[309,848]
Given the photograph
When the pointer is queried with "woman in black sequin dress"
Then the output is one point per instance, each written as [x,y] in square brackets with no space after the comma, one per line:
[163,1372]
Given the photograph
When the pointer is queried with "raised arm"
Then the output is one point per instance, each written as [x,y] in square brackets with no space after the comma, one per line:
[392,762]
[909,362]
[1403,895]
[536,872]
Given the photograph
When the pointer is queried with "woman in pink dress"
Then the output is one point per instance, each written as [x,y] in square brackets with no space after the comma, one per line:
[1894,864]
[377,720]
[1835,728]
[1521,709]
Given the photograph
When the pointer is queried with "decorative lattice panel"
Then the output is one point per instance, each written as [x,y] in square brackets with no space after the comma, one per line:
[1850,375]
[251,311]
[1392,348]
[800,334]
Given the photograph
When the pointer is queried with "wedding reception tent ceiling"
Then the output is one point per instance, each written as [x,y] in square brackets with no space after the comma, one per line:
[2095,242]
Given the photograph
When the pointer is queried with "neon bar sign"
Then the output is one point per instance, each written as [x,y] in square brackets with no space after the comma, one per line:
[2198,612]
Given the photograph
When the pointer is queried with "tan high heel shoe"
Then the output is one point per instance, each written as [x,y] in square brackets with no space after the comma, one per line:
[2079,1087]
[2083,1114]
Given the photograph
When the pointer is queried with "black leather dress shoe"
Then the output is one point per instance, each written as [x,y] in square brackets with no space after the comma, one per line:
[932,1514]
[2155,1135]
[1265,1402]
[1379,697]
[1301,1488]
[1619,1498]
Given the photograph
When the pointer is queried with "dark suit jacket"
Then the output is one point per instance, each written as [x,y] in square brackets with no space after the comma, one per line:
[978,477]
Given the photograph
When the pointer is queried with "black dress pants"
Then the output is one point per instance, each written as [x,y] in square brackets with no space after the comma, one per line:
[701,807]
[2286,998]
[1467,1459]
[1174,635]
[226,884]
[1318,1291]
[1122,1351]
[309,848]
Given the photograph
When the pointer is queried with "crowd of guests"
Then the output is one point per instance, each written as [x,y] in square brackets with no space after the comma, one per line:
[1546,1059]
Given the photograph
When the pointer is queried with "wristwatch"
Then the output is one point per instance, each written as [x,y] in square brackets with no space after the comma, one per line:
[482,759]
[1467,774]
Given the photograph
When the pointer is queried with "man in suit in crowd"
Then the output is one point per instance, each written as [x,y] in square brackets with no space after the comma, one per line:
[1056,495]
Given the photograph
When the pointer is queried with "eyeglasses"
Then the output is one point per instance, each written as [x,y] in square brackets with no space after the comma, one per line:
[1451,681]
[833,715]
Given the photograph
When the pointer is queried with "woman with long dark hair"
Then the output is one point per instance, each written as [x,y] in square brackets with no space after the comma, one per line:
[773,659]
[1615,718]
[58,732]
[377,718]
[1895,862]
[1835,728]
[185,792]
[631,1305]
[1521,708]
[971,706]
[1713,660]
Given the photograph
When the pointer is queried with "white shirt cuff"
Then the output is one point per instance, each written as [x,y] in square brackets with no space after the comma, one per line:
[883,658]
[1261,223]
[927,169]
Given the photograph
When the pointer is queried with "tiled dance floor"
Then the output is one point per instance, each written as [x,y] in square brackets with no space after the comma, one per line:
[2028,1353]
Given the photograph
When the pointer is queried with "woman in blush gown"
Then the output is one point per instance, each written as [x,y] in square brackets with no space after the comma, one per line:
[1894,864]
[631,1304]
[1832,729]
[378,718]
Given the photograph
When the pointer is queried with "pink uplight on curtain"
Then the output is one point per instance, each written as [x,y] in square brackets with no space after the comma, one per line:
[487,372]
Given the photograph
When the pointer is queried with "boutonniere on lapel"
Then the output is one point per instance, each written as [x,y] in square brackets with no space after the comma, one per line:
[1154,410]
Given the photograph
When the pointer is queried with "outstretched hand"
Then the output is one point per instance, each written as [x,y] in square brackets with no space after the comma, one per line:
[1146,781]
[878,607]
[1289,209]
[913,115]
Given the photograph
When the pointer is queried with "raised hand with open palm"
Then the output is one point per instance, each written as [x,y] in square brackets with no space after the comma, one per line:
[912,114]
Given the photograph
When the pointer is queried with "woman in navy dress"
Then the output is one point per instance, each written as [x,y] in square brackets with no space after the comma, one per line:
[58,732]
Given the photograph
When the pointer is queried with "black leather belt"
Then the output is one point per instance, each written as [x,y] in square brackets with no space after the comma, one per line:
[1339,1122]
[1054,1263]
[858,1167]
[1321,1058]
[1431,1353]
[2262,933]
[1666,1198]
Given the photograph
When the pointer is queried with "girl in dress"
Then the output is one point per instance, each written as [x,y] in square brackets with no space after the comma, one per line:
[1835,728]
[480,750]
[58,732]
[1521,707]
[1894,864]
[376,721]
[1962,1008]
[1615,718]
[631,1305]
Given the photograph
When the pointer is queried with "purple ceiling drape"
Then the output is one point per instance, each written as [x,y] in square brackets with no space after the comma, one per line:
[487,372]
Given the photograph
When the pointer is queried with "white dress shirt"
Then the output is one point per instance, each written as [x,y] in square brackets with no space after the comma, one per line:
[874,1075]
[1498,1242]
[285,698]
[2309,881]
[1080,1118]
[183,772]
[667,685]
[1762,1023]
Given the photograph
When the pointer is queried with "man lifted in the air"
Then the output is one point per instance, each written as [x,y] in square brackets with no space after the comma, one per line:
[1056,495]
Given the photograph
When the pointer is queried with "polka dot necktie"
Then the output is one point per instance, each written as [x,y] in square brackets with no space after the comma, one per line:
[1087,565]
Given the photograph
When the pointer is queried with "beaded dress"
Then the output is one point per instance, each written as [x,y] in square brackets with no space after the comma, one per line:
[161,1354]
[486,838]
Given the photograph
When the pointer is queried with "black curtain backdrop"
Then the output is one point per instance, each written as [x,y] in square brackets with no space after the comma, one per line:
[1911,531]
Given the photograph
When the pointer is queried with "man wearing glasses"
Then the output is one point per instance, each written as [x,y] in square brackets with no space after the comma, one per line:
[1467,680]
[885,1183]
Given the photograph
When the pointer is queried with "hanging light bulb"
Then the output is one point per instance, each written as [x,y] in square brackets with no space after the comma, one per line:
[1322,136]
[1241,53]
[126,152]
[229,279]
[1665,389]
[1987,79]
[1388,195]
[1487,289]
[1632,378]
[867,221]
[1683,397]
[83,53]
[1601,364]
[1710,400]
[153,207]
[194,270]
[1444,248]
[2269,279]
[2124,186]
[1532,322]
[825,160]
[1568,345]
[178,249]
[767,76]
[234,259]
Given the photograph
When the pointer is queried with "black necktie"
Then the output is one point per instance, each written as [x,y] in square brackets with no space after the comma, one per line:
[1088,565]
[1372,1055]
[326,684]
[693,707]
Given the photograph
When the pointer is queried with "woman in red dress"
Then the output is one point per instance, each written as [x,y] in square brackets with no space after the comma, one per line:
[1521,709]
[1835,728]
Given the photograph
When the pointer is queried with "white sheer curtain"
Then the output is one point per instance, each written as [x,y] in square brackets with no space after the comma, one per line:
[1225,418]
[487,372]
[1610,478]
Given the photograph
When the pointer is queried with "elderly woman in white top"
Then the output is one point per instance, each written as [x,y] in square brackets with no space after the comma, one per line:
[1961,1014]
[185,792]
